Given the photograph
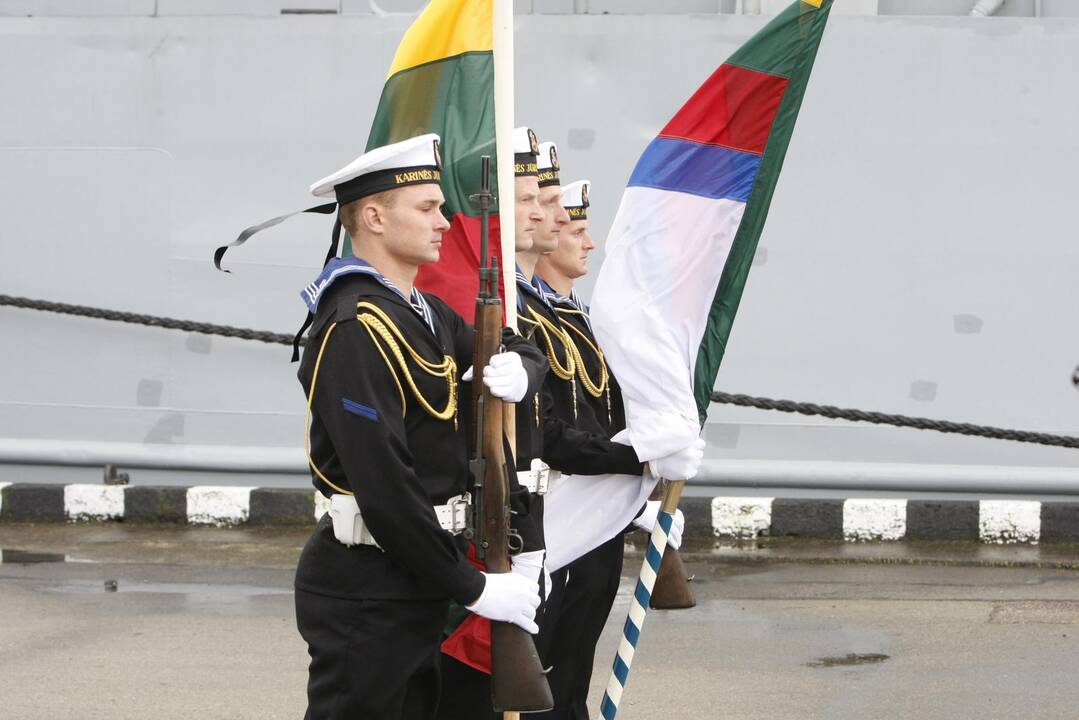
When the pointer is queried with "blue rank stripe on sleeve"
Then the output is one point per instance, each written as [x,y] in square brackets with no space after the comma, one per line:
[364,411]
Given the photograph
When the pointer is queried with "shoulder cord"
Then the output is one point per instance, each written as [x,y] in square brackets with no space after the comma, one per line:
[380,326]
[377,322]
[307,422]
[563,371]
[603,387]
[532,330]
[536,396]
[595,389]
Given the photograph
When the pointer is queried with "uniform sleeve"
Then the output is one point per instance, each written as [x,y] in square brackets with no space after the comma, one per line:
[579,452]
[358,402]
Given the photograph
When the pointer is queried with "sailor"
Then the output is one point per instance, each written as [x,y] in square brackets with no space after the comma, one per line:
[544,438]
[586,588]
[550,436]
[387,448]
[556,272]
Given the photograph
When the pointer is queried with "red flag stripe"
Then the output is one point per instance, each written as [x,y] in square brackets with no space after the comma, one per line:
[455,277]
[734,108]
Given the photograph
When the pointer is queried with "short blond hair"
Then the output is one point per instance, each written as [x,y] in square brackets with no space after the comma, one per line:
[350,212]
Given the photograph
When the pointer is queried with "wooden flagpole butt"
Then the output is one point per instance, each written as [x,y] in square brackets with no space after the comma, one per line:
[511,716]
[672,590]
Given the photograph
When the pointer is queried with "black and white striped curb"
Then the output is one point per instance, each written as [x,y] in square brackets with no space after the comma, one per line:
[742,518]
[854,519]
[197,505]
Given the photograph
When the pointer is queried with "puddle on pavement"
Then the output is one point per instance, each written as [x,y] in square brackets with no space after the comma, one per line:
[23,557]
[848,660]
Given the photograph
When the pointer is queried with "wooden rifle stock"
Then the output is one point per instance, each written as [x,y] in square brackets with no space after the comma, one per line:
[518,683]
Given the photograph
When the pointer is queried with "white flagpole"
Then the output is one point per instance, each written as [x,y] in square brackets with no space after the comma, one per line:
[502,44]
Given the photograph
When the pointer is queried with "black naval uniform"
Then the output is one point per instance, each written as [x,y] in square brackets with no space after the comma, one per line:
[563,437]
[546,429]
[586,588]
[373,616]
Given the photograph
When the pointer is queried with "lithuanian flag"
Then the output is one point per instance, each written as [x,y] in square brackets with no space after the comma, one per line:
[442,81]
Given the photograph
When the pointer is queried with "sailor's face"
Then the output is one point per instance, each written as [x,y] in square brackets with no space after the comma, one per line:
[527,212]
[415,223]
[574,245]
[555,218]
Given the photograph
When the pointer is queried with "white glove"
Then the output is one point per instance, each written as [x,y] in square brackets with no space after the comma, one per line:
[531,566]
[506,376]
[681,465]
[509,597]
[647,521]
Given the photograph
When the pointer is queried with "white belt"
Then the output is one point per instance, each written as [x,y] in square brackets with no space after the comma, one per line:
[539,478]
[453,516]
[350,529]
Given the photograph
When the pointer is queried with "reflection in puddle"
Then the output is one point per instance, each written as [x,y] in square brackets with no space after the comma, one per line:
[848,660]
[23,557]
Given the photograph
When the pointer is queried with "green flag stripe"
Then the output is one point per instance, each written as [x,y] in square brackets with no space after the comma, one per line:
[453,97]
[787,46]
[783,51]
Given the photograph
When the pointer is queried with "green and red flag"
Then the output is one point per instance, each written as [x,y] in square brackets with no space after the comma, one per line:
[442,81]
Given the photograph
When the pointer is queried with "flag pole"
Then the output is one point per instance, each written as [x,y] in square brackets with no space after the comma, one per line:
[638,606]
[502,44]
[502,47]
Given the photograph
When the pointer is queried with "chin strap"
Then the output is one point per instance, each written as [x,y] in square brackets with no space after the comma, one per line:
[246,234]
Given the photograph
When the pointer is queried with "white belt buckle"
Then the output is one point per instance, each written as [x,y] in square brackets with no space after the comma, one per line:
[459,513]
[540,474]
[550,477]
[348,525]
[542,480]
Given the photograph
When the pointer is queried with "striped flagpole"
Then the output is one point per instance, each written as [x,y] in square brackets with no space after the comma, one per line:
[638,605]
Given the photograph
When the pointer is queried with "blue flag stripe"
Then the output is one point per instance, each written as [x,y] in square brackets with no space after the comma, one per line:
[706,170]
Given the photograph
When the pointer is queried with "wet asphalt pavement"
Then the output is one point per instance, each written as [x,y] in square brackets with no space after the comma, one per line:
[200,625]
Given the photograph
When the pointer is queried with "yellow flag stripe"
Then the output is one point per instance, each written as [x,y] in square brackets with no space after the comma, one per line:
[444,29]
[814,3]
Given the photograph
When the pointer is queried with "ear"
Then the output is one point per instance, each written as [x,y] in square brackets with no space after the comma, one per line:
[372,218]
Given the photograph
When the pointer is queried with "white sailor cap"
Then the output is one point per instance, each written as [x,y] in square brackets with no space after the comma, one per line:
[548,164]
[525,150]
[409,162]
[575,199]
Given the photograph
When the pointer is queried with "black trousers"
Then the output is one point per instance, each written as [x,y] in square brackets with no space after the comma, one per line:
[580,602]
[466,693]
[376,659]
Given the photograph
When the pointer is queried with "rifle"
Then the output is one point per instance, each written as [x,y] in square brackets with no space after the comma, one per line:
[518,683]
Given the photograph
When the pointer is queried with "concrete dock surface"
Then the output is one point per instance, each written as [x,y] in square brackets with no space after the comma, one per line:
[120,621]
